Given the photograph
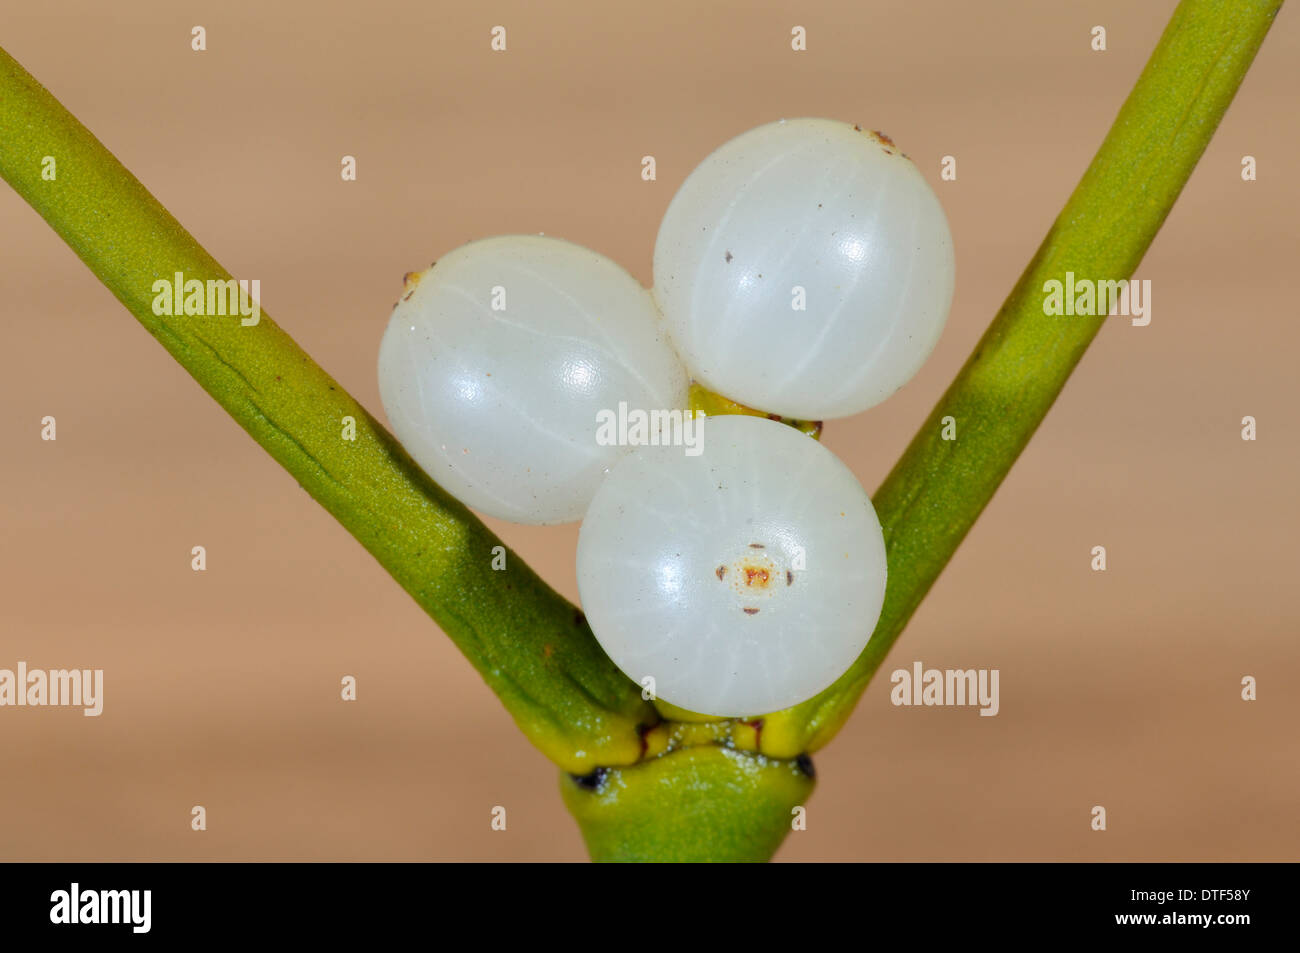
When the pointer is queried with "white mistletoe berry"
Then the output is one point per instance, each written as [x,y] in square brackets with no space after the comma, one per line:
[805,268]
[742,580]
[498,359]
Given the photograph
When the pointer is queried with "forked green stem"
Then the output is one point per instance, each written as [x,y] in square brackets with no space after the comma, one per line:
[532,646]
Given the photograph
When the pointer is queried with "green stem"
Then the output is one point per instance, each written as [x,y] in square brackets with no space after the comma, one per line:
[935,492]
[531,645]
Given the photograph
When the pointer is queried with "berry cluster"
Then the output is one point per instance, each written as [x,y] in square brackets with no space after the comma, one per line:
[804,268]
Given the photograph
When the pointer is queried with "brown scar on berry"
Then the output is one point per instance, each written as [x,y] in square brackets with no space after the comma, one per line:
[749,611]
[410,280]
[886,143]
[548,650]
[721,571]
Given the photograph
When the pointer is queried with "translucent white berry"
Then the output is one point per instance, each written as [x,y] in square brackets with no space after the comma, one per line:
[742,580]
[497,360]
[805,268]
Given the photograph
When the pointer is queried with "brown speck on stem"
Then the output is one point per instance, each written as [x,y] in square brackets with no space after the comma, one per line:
[642,730]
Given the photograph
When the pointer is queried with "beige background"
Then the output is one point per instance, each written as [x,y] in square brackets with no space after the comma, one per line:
[1119,689]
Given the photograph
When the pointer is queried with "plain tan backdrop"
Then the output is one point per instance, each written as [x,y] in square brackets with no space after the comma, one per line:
[222,688]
